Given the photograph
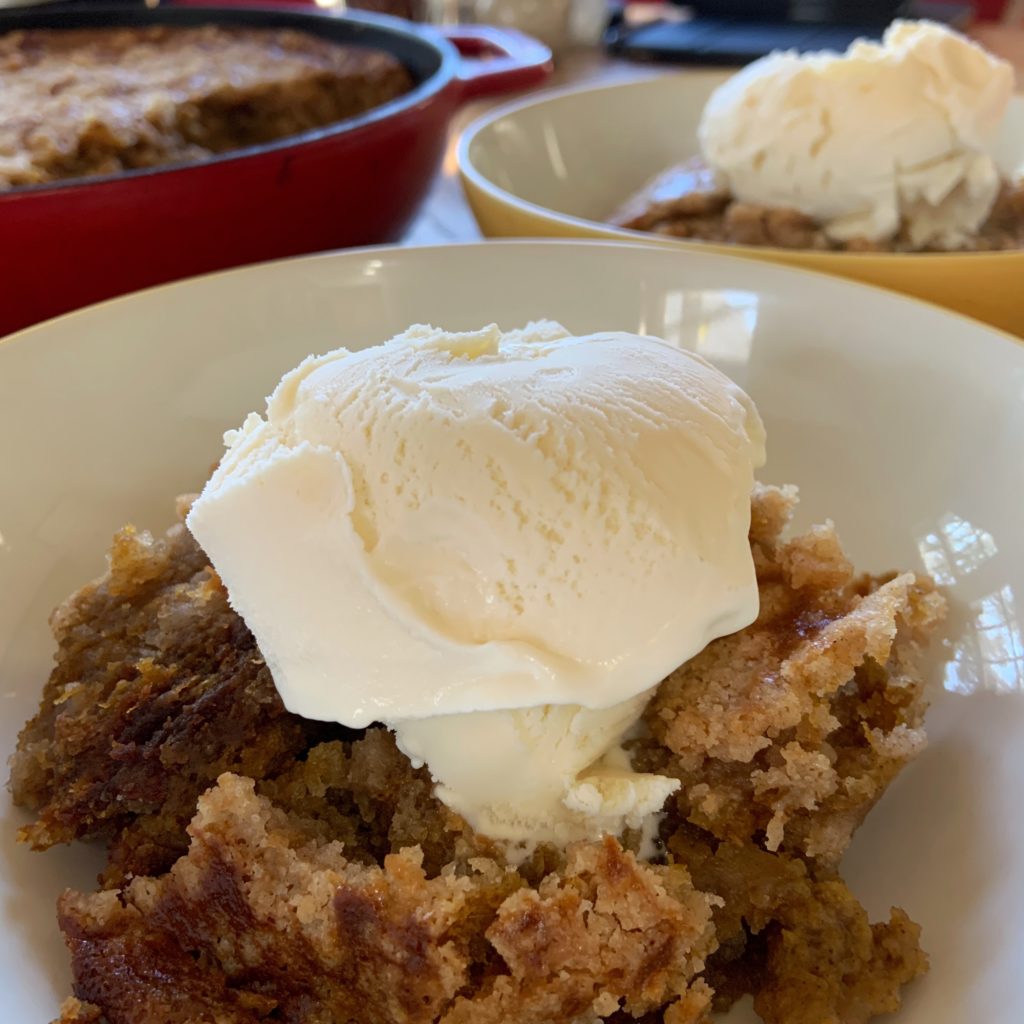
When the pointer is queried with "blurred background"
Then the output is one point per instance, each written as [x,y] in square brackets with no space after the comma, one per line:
[707,31]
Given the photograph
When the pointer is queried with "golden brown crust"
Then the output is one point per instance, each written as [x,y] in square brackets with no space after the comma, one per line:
[266,917]
[99,101]
[611,931]
[787,732]
[72,1011]
[801,944]
[158,688]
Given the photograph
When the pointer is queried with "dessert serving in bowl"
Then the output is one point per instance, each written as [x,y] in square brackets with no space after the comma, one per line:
[895,163]
[380,731]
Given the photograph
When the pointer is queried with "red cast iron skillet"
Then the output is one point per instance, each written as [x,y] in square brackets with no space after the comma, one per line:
[355,183]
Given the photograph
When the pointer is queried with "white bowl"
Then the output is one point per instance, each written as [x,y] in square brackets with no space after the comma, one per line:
[903,423]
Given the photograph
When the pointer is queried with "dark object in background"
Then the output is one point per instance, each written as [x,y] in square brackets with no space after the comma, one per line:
[739,31]
[410,9]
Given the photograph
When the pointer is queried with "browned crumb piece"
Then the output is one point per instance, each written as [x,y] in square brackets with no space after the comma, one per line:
[787,732]
[367,795]
[687,202]
[158,688]
[74,1012]
[266,919]
[865,965]
[613,933]
[684,200]
[802,945]
[749,224]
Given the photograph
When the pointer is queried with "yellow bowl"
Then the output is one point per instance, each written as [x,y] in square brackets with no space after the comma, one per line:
[557,164]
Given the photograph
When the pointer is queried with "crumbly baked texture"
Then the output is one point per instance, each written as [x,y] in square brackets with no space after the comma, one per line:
[266,918]
[323,882]
[82,102]
[686,202]
[787,732]
[784,735]
[158,689]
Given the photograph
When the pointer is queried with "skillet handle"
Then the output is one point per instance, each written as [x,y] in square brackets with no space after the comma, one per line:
[500,59]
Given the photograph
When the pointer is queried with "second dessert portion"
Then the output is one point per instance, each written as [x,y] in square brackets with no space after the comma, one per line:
[887,147]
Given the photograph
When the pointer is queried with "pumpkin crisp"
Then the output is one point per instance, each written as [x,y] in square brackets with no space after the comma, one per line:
[81,102]
[263,868]
[687,202]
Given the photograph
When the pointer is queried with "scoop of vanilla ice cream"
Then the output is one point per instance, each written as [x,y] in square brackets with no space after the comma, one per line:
[882,135]
[496,544]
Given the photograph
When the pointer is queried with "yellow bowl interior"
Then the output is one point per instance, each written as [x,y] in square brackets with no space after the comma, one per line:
[557,165]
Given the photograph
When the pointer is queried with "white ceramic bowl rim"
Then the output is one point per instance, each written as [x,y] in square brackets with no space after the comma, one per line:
[637,240]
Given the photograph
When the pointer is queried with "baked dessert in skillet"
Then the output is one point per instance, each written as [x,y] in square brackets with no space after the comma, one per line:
[82,102]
